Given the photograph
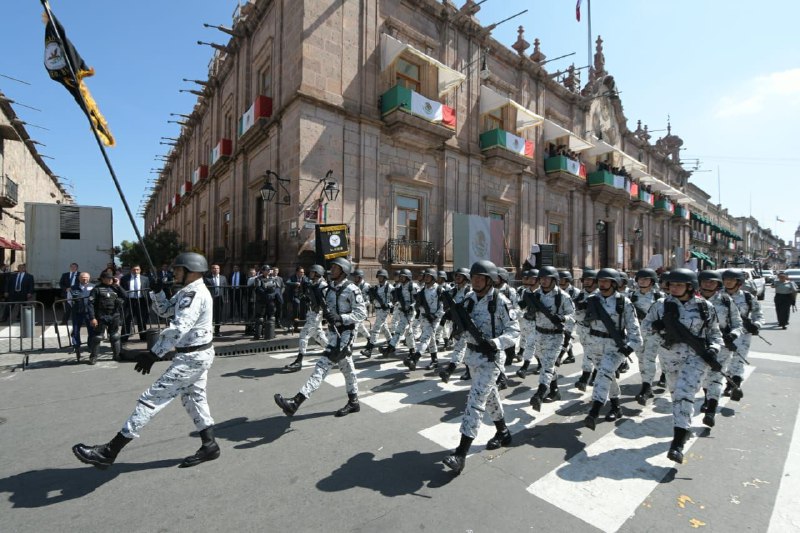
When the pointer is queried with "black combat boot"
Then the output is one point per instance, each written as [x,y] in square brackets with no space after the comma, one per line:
[624,367]
[536,371]
[295,365]
[592,378]
[411,359]
[538,397]
[434,362]
[510,353]
[711,412]
[570,357]
[258,331]
[352,406]
[554,394]
[644,394]
[591,419]
[704,407]
[101,456]
[367,351]
[208,451]
[523,370]
[387,350]
[94,347]
[582,381]
[289,406]
[662,381]
[615,413]
[116,347]
[737,393]
[501,438]
[446,372]
[458,459]
[502,381]
[466,376]
[675,453]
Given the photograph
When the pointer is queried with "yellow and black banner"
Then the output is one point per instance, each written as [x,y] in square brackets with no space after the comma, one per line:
[55,61]
[332,241]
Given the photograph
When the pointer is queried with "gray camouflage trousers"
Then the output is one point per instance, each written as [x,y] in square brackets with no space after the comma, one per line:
[736,364]
[186,376]
[714,382]
[527,335]
[312,328]
[483,395]
[548,346]
[690,377]
[324,366]
[647,358]
[361,329]
[402,327]
[379,326]
[607,359]
[587,364]
[427,341]
[459,350]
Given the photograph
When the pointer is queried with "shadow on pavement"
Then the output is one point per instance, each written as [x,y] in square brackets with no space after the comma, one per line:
[255,373]
[254,433]
[402,473]
[40,488]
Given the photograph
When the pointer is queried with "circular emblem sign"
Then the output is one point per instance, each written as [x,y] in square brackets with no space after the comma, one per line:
[335,240]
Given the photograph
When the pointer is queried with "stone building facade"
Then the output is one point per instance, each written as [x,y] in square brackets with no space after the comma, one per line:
[24,177]
[416,113]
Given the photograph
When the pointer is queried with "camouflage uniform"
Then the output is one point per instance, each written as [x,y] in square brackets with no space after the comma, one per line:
[587,364]
[684,368]
[527,327]
[361,328]
[647,356]
[313,325]
[730,323]
[604,351]
[748,308]
[383,307]
[403,314]
[190,312]
[503,332]
[430,323]
[549,335]
[345,300]
[460,347]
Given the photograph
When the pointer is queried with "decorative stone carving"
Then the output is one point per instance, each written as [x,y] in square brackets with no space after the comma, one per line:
[521,45]
[537,54]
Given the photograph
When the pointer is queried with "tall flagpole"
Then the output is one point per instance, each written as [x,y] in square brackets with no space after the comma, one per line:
[85,108]
[589,35]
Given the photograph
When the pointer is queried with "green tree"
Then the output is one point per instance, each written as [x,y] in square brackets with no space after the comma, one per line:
[163,246]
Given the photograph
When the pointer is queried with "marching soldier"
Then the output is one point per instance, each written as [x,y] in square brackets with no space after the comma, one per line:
[492,327]
[614,335]
[190,335]
[589,287]
[506,290]
[429,303]
[458,293]
[552,312]
[105,314]
[752,318]
[344,308]
[527,324]
[403,298]
[443,331]
[643,296]
[692,340]
[381,297]
[314,295]
[731,327]
[565,284]
[363,286]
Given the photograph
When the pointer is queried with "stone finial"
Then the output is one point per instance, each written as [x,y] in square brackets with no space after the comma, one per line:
[521,45]
[570,80]
[537,54]
[470,8]
[599,59]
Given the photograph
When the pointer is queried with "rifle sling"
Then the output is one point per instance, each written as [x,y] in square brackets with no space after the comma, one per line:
[681,334]
[597,309]
[557,320]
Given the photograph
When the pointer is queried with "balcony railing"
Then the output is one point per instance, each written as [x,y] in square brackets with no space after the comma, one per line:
[604,177]
[560,162]
[411,252]
[665,205]
[562,261]
[498,138]
[8,192]
[401,98]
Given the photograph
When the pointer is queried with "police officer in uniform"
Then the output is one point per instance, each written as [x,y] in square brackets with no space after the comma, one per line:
[269,299]
[429,303]
[752,317]
[496,320]
[345,307]
[458,293]
[363,286]
[607,352]
[105,314]
[314,296]
[731,327]
[684,367]
[381,296]
[189,334]
[403,298]
[643,295]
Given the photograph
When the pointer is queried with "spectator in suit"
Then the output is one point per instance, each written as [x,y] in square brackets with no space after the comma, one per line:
[19,288]
[136,289]
[164,274]
[294,291]
[68,280]
[78,297]
[217,284]
[238,282]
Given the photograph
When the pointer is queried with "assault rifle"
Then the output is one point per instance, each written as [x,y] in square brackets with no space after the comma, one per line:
[463,322]
[749,327]
[397,293]
[596,310]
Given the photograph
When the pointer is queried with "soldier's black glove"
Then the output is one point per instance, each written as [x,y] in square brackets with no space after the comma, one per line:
[144,361]
[658,325]
[488,349]
[712,362]
[729,341]
[626,350]
[751,328]
[331,317]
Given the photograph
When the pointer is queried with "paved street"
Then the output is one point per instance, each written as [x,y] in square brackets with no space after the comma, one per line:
[380,469]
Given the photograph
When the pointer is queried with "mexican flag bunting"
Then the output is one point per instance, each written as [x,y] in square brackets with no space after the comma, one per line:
[432,110]
[516,144]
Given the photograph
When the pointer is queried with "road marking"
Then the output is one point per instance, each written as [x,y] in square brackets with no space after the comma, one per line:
[774,357]
[623,466]
[787,502]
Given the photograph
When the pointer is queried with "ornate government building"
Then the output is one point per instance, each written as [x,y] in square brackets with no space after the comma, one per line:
[391,116]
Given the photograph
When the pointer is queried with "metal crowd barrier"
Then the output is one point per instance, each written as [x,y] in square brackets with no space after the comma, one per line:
[24,328]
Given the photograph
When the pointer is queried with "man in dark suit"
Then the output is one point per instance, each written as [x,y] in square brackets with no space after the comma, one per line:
[68,280]
[19,288]
[238,282]
[136,289]
[217,284]
[293,294]
[164,274]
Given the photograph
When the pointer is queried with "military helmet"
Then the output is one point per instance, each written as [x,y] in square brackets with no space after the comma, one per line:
[530,273]
[503,274]
[548,272]
[534,272]
[734,273]
[106,275]
[484,267]
[463,271]
[442,274]
[317,269]
[589,273]
[265,267]
[609,273]
[358,272]
[623,278]
[191,261]
[682,275]
[429,272]
[344,264]
[647,273]
[565,274]
[405,272]
[712,275]
[383,273]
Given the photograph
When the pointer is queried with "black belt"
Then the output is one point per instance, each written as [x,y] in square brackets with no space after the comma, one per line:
[475,347]
[601,334]
[349,327]
[550,331]
[189,349]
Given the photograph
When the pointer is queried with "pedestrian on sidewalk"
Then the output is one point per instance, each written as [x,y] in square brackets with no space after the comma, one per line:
[785,298]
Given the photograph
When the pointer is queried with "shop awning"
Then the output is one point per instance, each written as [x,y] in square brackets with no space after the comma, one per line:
[491,100]
[5,243]
[704,257]
[17,246]
[554,131]
[391,48]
